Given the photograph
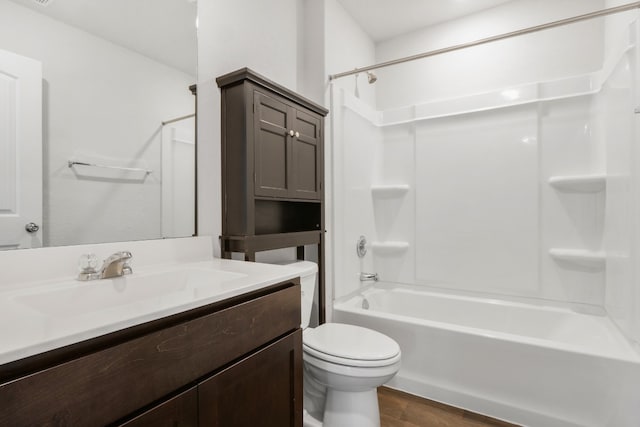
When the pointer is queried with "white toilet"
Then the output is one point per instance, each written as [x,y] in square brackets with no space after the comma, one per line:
[343,366]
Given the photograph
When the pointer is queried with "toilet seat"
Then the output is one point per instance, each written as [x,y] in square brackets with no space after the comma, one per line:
[350,345]
[361,372]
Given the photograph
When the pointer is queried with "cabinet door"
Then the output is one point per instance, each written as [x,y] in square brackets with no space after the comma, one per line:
[306,162]
[263,390]
[272,123]
[180,411]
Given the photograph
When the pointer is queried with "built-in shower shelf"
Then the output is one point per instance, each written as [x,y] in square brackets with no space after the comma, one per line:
[579,183]
[389,248]
[389,191]
[581,257]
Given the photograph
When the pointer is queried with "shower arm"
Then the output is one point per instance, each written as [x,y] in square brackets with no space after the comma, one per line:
[559,23]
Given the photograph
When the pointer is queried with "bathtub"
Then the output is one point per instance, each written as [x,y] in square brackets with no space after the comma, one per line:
[528,363]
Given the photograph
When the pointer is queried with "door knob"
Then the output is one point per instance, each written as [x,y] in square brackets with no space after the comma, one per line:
[32,227]
[291,132]
[297,134]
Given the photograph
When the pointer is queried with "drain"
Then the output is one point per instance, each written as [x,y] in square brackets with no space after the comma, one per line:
[365,304]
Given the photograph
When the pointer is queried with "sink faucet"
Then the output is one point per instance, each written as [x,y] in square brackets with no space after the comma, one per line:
[116,265]
[368,277]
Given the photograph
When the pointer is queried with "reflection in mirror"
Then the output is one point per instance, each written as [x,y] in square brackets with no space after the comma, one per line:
[97,127]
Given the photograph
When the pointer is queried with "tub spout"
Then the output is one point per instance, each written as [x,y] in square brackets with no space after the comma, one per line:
[368,277]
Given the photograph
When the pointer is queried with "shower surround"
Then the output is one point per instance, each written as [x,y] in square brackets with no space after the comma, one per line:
[526,194]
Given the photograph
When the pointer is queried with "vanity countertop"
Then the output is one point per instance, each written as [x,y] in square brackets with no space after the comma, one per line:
[42,316]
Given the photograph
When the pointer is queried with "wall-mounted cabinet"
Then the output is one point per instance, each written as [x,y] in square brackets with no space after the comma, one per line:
[287,148]
[272,169]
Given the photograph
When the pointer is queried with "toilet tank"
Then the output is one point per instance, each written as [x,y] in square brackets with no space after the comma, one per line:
[308,272]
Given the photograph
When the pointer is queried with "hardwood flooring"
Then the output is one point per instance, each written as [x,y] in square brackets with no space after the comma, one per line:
[398,409]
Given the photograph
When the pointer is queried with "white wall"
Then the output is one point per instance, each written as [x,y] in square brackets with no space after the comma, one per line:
[619,131]
[311,50]
[357,151]
[346,46]
[395,217]
[477,201]
[231,35]
[91,122]
[479,214]
[293,42]
[615,25]
[546,55]
[568,219]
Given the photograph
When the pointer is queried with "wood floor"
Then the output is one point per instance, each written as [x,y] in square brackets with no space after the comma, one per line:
[398,409]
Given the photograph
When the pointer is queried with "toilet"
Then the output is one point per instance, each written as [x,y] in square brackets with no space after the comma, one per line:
[343,366]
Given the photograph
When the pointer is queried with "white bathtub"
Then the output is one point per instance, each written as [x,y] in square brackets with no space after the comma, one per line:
[530,364]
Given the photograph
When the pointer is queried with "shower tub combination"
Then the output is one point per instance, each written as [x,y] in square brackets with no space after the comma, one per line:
[527,363]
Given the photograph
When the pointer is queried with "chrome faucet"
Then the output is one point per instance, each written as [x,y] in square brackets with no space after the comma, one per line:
[368,277]
[116,265]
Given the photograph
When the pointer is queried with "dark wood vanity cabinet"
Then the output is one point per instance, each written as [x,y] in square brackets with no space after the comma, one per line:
[233,363]
[249,393]
[272,169]
[178,411]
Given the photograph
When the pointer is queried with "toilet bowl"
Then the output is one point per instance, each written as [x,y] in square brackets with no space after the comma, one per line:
[343,366]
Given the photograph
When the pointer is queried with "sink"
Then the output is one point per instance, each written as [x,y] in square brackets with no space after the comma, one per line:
[139,292]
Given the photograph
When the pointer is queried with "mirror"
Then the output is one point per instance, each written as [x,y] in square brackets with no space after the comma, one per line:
[97,127]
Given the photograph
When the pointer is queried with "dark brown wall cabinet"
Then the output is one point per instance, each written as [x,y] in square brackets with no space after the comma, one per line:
[287,149]
[272,169]
[235,363]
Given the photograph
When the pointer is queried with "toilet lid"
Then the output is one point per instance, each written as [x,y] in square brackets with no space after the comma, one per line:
[350,342]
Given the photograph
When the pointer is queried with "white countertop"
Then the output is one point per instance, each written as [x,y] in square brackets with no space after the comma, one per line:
[46,315]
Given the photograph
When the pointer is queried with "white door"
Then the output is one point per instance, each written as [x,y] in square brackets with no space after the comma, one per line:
[20,151]
[178,179]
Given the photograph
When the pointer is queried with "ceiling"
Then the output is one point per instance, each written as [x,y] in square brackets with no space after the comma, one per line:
[164,30]
[385,19]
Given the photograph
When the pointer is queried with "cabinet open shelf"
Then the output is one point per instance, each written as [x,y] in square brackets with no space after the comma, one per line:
[389,191]
[283,216]
[267,242]
[580,257]
[579,183]
[389,247]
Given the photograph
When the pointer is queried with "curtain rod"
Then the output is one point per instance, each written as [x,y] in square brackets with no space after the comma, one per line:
[578,18]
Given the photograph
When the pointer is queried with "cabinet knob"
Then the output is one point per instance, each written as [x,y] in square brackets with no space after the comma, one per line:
[297,134]
[291,132]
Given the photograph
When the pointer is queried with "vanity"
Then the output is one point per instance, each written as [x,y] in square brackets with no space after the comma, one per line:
[214,343]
